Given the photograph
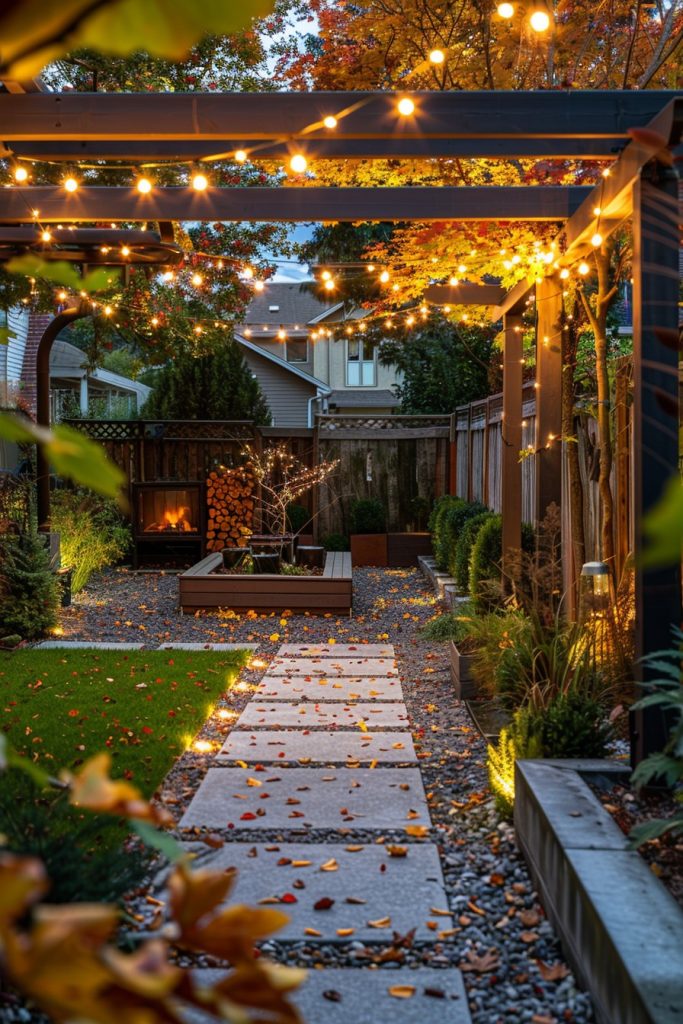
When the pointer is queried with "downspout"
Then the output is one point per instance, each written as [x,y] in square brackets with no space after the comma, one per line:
[62,320]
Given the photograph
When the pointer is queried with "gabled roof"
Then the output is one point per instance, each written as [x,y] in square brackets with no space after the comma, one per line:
[296,305]
[271,357]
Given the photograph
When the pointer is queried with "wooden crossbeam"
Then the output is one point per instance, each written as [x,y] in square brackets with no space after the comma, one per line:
[465,294]
[150,117]
[54,204]
[316,148]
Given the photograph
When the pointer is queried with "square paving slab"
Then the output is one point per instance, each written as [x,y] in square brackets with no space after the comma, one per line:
[365,998]
[209,647]
[301,798]
[316,716]
[328,688]
[337,650]
[337,747]
[335,666]
[398,893]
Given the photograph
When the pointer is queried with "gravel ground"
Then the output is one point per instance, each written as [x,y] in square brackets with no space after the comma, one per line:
[512,963]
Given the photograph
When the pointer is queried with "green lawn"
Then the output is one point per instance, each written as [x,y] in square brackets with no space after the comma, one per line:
[61,707]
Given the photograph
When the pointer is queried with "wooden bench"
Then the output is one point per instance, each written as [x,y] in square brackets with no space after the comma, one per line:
[201,587]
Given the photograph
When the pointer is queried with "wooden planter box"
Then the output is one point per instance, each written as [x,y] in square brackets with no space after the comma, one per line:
[461,674]
[404,549]
[200,587]
[369,549]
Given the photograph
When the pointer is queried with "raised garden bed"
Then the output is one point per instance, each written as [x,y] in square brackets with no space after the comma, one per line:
[389,549]
[620,928]
[202,586]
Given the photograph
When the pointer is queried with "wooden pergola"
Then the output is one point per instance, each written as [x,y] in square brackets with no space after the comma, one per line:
[193,128]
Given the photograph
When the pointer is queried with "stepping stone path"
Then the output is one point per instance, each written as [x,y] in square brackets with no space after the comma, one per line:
[322,752]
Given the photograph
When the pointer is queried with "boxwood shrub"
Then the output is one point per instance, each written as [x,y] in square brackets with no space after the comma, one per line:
[450,527]
[459,562]
[486,557]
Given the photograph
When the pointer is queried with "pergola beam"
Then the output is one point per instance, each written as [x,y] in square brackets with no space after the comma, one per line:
[570,114]
[316,148]
[488,203]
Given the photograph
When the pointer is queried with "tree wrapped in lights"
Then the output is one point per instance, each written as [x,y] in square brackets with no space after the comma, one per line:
[283,479]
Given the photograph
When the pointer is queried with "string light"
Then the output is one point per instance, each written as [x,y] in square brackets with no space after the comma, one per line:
[453,281]
[326,275]
[258,286]
[248,273]
[564,273]
[46,236]
[384,276]
[406,106]
[200,182]
[506,11]
[70,184]
[597,210]
[20,173]
[155,321]
[107,311]
[298,163]
[437,56]
[61,296]
[168,275]
[596,240]
[583,269]
[329,285]
[282,334]
[330,121]
[197,280]
[540,20]
[462,269]
[144,185]
[125,251]
[241,156]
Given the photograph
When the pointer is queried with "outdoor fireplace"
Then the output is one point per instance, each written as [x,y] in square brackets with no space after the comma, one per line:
[168,522]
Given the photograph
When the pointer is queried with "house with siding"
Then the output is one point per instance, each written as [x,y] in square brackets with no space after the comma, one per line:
[303,371]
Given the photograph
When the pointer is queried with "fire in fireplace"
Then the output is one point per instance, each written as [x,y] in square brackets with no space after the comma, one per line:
[168,511]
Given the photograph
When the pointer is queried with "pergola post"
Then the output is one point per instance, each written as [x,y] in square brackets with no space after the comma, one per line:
[511,468]
[548,394]
[655,419]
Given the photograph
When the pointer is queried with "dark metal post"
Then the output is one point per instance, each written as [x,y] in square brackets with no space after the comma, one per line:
[57,325]
[548,394]
[655,418]
[511,426]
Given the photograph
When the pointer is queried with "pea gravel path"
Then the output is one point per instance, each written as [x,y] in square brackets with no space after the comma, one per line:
[500,939]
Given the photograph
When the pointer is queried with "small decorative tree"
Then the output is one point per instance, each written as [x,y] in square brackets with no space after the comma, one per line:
[283,479]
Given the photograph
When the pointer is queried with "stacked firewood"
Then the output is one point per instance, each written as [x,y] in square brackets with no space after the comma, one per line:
[230,501]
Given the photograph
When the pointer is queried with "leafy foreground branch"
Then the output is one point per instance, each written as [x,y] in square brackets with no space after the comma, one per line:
[65,959]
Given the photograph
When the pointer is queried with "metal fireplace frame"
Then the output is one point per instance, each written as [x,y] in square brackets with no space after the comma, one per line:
[195,540]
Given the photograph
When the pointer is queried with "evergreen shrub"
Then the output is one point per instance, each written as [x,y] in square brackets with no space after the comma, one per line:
[367,516]
[450,527]
[485,561]
[459,562]
[29,592]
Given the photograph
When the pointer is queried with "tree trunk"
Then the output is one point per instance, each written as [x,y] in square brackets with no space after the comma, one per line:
[572,449]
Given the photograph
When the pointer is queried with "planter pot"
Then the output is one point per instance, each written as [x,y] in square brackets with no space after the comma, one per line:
[461,673]
[269,562]
[369,549]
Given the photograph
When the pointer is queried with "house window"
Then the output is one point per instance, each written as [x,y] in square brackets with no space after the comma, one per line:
[297,350]
[360,364]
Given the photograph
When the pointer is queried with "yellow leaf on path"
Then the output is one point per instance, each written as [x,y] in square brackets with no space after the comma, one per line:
[362,726]
[329,865]
[343,932]
[398,746]
[373,763]
[301,863]
[274,637]
[312,931]
[353,849]
[402,991]
[331,640]
[254,782]
[439,913]
[241,764]
[397,851]
[269,899]
[411,815]
[381,922]
[419,831]
[448,932]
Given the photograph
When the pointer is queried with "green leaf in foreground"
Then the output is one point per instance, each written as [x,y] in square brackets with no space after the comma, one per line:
[36,32]
[10,759]
[72,454]
[6,335]
[663,528]
[63,273]
[161,841]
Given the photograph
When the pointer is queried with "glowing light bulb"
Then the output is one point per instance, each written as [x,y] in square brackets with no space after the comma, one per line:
[20,173]
[606,172]
[384,276]
[298,163]
[107,311]
[330,121]
[71,184]
[371,267]
[144,185]
[200,182]
[155,321]
[597,210]
[258,286]
[406,106]
[540,21]
[202,746]
[329,285]
[564,273]
[462,269]
[282,334]
[437,56]
[596,240]
[168,275]
[61,296]
[224,713]
[515,259]
[197,280]
[583,269]
[248,273]
[453,281]
[125,251]
[506,11]
[46,236]
[240,156]
[198,329]
[326,275]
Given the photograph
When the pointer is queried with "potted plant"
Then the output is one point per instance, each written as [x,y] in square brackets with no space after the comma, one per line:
[368,536]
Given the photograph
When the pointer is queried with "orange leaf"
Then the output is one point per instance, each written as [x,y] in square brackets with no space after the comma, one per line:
[402,991]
